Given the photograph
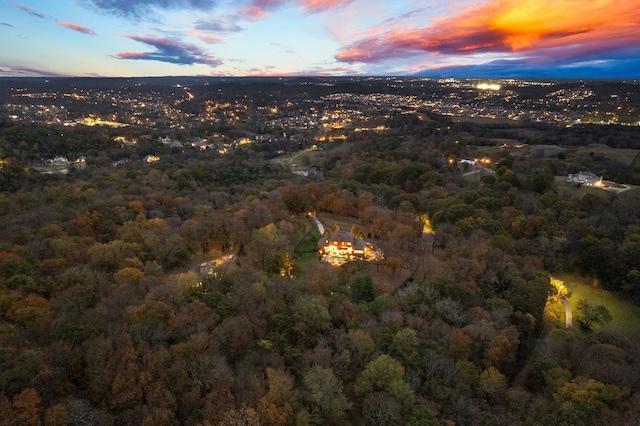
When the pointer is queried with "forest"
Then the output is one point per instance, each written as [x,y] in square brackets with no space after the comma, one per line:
[108,318]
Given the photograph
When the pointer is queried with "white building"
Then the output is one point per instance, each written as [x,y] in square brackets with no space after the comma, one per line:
[585,178]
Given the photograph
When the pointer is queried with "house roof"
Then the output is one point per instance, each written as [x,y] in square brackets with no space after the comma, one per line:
[583,176]
[359,244]
[587,175]
[345,237]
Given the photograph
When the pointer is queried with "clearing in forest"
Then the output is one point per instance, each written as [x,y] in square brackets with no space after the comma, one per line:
[625,314]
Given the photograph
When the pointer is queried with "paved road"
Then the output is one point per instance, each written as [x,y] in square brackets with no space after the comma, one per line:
[477,169]
[617,190]
[298,154]
[568,316]
[318,224]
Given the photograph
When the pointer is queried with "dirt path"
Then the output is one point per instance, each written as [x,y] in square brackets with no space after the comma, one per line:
[523,374]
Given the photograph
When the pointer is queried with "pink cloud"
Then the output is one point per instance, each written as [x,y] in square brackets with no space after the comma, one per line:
[508,26]
[253,13]
[315,6]
[78,28]
[132,55]
[259,9]
[267,71]
[205,36]
[271,71]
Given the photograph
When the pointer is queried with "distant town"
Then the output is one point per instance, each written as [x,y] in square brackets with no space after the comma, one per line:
[322,104]
[221,114]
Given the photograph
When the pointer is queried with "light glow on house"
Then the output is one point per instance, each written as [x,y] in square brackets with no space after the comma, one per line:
[342,246]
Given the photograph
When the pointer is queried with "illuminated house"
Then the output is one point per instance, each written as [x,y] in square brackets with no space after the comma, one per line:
[585,178]
[344,245]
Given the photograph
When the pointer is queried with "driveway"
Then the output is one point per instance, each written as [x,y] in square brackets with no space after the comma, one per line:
[568,316]
[318,224]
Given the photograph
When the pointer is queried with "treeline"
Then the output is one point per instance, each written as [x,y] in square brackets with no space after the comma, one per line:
[612,135]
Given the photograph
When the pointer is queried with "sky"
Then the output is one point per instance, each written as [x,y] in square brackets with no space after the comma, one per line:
[432,38]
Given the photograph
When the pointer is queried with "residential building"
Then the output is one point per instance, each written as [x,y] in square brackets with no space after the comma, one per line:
[585,178]
[344,245]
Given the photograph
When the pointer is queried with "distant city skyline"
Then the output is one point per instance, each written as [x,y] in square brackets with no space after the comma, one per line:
[449,38]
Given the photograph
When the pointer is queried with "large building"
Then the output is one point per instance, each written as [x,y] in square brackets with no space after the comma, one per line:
[343,245]
[585,178]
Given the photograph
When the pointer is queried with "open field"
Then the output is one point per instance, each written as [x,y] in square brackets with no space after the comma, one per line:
[310,157]
[475,174]
[56,168]
[624,156]
[487,150]
[626,316]
[571,190]
[545,150]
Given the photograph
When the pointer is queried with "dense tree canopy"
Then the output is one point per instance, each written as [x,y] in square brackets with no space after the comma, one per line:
[189,291]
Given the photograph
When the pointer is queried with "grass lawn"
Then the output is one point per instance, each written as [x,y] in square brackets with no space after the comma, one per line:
[56,168]
[626,316]
[487,150]
[309,157]
[307,242]
[344,222]
[474,175]
[571,190]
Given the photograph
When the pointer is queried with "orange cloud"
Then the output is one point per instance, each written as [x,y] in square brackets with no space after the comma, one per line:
[78,28]
[509,26]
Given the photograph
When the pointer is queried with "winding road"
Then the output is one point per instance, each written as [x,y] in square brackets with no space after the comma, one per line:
[568,316]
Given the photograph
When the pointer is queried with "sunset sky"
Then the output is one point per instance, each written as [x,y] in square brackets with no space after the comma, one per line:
[443,38]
